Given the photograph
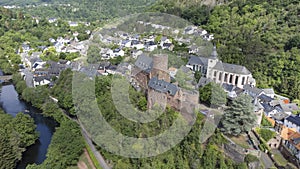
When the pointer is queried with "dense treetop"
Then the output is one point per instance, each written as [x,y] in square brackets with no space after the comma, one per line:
[16,133]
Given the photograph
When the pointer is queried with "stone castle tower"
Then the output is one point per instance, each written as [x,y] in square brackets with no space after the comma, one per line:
[160,67]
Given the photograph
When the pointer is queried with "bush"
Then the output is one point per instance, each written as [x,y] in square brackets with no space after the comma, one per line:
[265,122]
[250,158]
[266,134]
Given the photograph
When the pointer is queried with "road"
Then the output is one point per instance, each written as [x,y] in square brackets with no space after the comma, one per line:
[28,77]
[88,140]
[96,153]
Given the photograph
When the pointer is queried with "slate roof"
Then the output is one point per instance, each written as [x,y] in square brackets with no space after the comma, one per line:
[35,59]
[238,69]
[145,63]
[41,78]
[289,107]
[294,119]
[125,41]
[162,86]
[252,91]
[265,98]
[195,60]
[135,42]
[203,81]
[269,91]
[167,45]
[267,107]
[228,87]
[219,66]
[280,116]
[296,140]
[89,72]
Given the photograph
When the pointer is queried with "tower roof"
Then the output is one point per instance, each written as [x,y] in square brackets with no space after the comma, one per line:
[214,53]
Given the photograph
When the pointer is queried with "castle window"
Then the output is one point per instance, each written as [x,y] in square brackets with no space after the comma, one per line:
[220,76]
[215,73]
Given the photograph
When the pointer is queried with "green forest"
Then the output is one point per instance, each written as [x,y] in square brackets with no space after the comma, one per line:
[261,35]
[88,10]
[16,133]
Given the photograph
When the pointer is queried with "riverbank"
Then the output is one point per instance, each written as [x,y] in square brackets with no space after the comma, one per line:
[70,149]
[45,126]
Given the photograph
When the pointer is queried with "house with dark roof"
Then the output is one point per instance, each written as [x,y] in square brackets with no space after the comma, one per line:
[292,121]
[269,92]
[212,68]
[293,144]
[264,98]
[289,108]
[41,81]
[252,91]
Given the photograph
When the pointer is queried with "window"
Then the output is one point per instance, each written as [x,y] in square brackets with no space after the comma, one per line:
[215,73]
[225,77]
[220,76]
[236,80]
[243,81]
[230,79]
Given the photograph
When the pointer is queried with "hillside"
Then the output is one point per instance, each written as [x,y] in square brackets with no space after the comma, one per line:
[88,10]
[260,35]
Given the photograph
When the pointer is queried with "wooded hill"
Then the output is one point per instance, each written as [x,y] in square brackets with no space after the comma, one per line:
[88,10]
[261,35]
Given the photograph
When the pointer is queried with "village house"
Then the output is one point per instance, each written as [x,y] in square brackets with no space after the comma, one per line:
[41,81]
[293,122]
[291,145]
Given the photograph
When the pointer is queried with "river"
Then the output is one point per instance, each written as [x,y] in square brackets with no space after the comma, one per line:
[11,104]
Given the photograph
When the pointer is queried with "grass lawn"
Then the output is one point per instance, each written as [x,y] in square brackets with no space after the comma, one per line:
[280,159]
[241,141]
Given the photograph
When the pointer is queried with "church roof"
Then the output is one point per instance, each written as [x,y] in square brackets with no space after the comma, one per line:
[238,69]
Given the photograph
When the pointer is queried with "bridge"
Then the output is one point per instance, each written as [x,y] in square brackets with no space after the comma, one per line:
[6,78]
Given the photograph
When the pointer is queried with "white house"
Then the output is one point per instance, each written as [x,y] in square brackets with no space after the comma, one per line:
[51,20]
[136,53]
[125,43]
[73,24]
[269,92]
[40,81]
[292,121]
[106,53]
[137,45]
[118,52]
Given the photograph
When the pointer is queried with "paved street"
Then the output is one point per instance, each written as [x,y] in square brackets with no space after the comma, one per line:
[28,77]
